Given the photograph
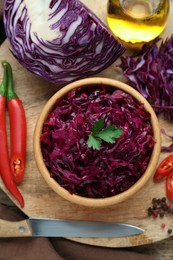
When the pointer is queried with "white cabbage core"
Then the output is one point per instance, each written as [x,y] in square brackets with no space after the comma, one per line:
[40,18]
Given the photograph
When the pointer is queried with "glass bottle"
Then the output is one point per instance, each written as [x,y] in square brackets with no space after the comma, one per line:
[137,21]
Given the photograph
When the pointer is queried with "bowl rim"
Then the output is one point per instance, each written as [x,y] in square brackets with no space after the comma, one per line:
[96,202]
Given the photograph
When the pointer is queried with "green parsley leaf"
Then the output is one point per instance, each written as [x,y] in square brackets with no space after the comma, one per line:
[93,142]
[97,126]
[109,134]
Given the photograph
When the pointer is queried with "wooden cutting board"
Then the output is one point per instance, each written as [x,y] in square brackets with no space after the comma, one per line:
[41,201]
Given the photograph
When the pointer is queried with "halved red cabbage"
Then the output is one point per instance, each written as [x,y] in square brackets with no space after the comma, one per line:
[96,173]
[59,40]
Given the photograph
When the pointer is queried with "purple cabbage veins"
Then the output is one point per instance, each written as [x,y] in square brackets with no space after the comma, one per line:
[59,40]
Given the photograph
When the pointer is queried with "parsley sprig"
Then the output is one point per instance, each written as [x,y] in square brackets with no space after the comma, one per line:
[108,134]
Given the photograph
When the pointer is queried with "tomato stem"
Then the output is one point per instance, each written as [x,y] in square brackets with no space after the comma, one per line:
[10,90]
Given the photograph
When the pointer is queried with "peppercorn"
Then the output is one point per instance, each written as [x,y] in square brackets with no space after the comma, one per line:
[162,204]
[169,231]
[154,200]
[164,199]
[150,211]
[158,201]
[155,213]
[165,207]
[161,214]
[163,225]
[154,206]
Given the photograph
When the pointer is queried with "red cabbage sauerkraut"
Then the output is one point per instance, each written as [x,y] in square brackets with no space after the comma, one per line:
[96,173]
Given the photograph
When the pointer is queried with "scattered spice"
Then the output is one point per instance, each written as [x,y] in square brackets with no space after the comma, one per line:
[160,207]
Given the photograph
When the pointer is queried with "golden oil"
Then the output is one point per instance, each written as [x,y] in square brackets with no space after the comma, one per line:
[137,21]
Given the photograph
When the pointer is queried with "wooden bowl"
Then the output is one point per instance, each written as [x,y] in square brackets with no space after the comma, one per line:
[97,202]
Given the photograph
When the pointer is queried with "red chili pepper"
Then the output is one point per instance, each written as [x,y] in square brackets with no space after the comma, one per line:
[18,129]
[5,170]
[164,168]
[169,186]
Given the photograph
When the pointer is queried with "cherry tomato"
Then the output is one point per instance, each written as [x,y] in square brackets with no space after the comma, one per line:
[169,186]
[164,168]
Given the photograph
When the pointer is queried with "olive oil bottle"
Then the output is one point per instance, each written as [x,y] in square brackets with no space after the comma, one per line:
[137,21]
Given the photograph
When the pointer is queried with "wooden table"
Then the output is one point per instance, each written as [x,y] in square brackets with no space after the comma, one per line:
[160,250]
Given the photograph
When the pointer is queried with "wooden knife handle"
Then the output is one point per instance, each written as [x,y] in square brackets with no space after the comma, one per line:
[15,229]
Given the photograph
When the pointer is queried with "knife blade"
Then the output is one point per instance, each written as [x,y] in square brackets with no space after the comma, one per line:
[44,227]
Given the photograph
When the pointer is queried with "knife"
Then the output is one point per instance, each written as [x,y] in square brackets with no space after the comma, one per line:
[44,227]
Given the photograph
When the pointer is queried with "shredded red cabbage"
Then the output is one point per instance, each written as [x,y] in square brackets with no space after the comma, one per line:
[168,148]
[152,75]
[96,173]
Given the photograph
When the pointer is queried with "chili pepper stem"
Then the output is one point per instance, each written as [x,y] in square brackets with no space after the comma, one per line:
[3,86]
[11,94]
